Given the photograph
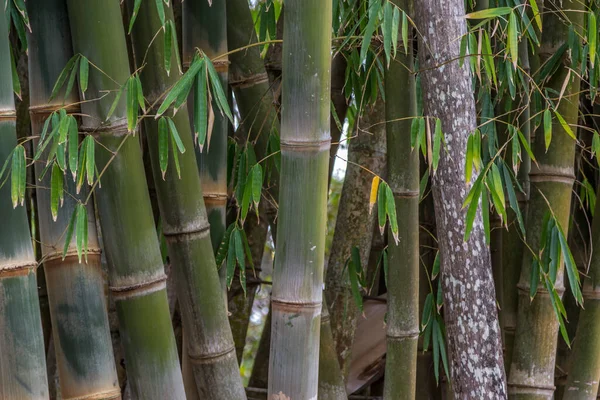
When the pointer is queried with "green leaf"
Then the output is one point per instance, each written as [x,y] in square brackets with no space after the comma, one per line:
[494,181]
[513,39]
[73,141]
[163,146]
[72,77]
[139,92]
[182,87]
[442,347]
[16,84]
[547,128]
[592,36]
[464,41]
[257,179]
[564,125]
[387,30]
[512,198]
[160,9]
[220,97]
[201,111]
[595,145]
[374,7]
[115,102]
[63,76]
[473,202]
[390,209]
[224,246]
[469,160]
[570,266]
[485,214]
[175,156]
[81,166]
[395,27]
[56,190]
[414,132]
[404,30]
[18,176]
[81,231]
[436,350]
[239,250]
[536,13]
[525,144]
[168,43]
[69,233]
[488,58]
[436,265]
[134,14]
[175,135]
[175,45]
[84,71]
[246,199]
[353,275]
[489,13]
[132,105]
[90,160]
[231,261]
[437,143]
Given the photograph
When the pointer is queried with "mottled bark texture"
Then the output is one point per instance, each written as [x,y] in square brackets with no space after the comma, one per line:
[473,333]
[534,353]
[354,226]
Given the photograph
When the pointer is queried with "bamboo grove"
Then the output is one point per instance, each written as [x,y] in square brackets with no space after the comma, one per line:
[299,199]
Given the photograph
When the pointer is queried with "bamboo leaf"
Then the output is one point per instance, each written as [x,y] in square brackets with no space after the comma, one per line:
[381,204]
[224,246]
[513,39]
[160,9]
[436,266]
[414,132]
[395,28]
[18,176]
[200,111]
[73,142]
[217,89]
[175,156]
[131,104]
[257,179]
[437,143]
[512,198]
[595,145]
[488,58]
[526,145]
[69,233]
[247,250]
[115,102]
[423,184]
[536,13]
[473,202]
[464,41]
[81,167]
[353,276]
[90,159]
[246,199]
[485,214]
[16,84]
[134,14]
[175,135]
[84,71]
[592,36]
[489,13]
[387,30]
[239,251]
[374,7]
[56,190]
[442,347]
[564,125]
[182,87]
[571,267]
[175,45]
[231,258]
[139,93]
[373,195]
[168,43]
[436,350]
[469,160]
[80,229]
[547,128]
[390,208]
[163,146]
[404,31]
[62,77]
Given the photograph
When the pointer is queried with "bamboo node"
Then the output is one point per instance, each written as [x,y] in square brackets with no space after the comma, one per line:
[541,291]
[405,194]
[138,289]
[590,294]
[18,268]
[71,253]
[412,334]
[211,357]
[118,129]
[9,115]
[47,109]
[112,394]
[299,145]
[523,388]
[201,231]
[288,306]
[542,176]
[249,81]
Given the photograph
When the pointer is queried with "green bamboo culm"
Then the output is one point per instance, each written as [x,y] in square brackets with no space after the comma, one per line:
[185,225]
[76,290]
[551,178]
[258,121]
[205,28]
[305,141]
[23,359]
[331,380]
[404,263]
[136,271]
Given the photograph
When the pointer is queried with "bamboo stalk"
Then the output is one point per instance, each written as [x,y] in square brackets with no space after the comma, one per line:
[22,364]
[470,313]
[305,141]
[533,360]
[331,380]
[136,272]
[354,225]
[208,338]
[84,356]
[205,27]
[403,274]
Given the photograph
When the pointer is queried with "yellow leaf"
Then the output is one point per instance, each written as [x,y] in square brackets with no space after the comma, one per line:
[373,197]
